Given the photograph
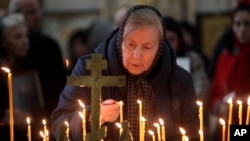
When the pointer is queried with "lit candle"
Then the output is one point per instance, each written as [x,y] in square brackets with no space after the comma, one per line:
[152,134]
[199,103]
[83,118]
[222,122]
[140,116]
[44,126]
[230,102]
[201,135]
[121,111]
[29,129]
[248,110]
[163,132]
[143,121]
[240,111]
[183,132]
[67,130]
[158,131]
[11,114]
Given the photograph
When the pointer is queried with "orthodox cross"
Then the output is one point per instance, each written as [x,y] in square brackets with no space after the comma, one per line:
[96,81]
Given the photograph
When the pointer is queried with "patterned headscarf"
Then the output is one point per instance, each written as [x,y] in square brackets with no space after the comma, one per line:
[138,86]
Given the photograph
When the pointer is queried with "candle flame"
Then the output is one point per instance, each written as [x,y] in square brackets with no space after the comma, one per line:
[139,101]
[187,139]
[239,102]
[230,100]
[121,103]
[156,125]
[143,119]
[222,121]
[44,122]
[41,134]
[28,120]
[161,121]
[199,103]
[200,132]
[81,103]
[67,124]
[67,63]
[5,69]
[118,125]
[248,101]
[151,132]
[183,132]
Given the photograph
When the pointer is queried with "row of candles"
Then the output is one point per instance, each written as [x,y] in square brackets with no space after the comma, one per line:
[43,133]
[161,134]
[230,114]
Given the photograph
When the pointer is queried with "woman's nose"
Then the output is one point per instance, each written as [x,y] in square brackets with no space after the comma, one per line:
[137,52]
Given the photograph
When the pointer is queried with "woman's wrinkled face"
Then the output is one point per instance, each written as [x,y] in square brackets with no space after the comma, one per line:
[241,26]
[16,41]
[139,47]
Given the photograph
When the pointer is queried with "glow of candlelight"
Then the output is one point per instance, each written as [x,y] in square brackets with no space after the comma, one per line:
[183,132]
[152,134]
[222,122]
[158,131]
[201,135]
[67,130]
[83,118]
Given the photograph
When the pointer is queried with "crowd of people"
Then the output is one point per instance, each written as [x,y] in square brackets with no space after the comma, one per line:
[159,56]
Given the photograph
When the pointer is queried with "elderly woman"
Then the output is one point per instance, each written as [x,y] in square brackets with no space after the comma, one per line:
[139,51]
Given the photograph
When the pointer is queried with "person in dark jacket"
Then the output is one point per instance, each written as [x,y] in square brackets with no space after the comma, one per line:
[137,50]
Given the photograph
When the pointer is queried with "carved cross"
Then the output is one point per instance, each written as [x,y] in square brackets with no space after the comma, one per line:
[96,81]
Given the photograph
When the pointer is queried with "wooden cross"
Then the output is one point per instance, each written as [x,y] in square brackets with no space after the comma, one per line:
[96,81]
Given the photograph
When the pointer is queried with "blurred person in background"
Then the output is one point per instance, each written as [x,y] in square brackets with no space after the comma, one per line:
[231,78]
[78,45]
[44,54]
[13,51]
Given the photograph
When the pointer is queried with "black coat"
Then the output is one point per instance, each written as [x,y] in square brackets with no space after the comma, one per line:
[175,103]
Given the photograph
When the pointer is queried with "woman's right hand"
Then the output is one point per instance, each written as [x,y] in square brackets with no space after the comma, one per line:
[109,110]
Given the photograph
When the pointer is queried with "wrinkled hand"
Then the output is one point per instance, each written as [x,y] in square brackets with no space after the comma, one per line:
[109,110]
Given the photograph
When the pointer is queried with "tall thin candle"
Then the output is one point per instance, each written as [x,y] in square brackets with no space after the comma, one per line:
[29,129]
[230,112]
[11,109]
[67,130]
[83,119]
[163,132]
[158,131]
[248,110]
[152,134]
[121,111]
[199,103]
[140,116]
[143,120]
[201,135]
[223,129]
[183,132]
[44,126]
[240,111]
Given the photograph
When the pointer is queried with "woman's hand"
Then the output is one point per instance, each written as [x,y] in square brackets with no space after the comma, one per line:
[109,110]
